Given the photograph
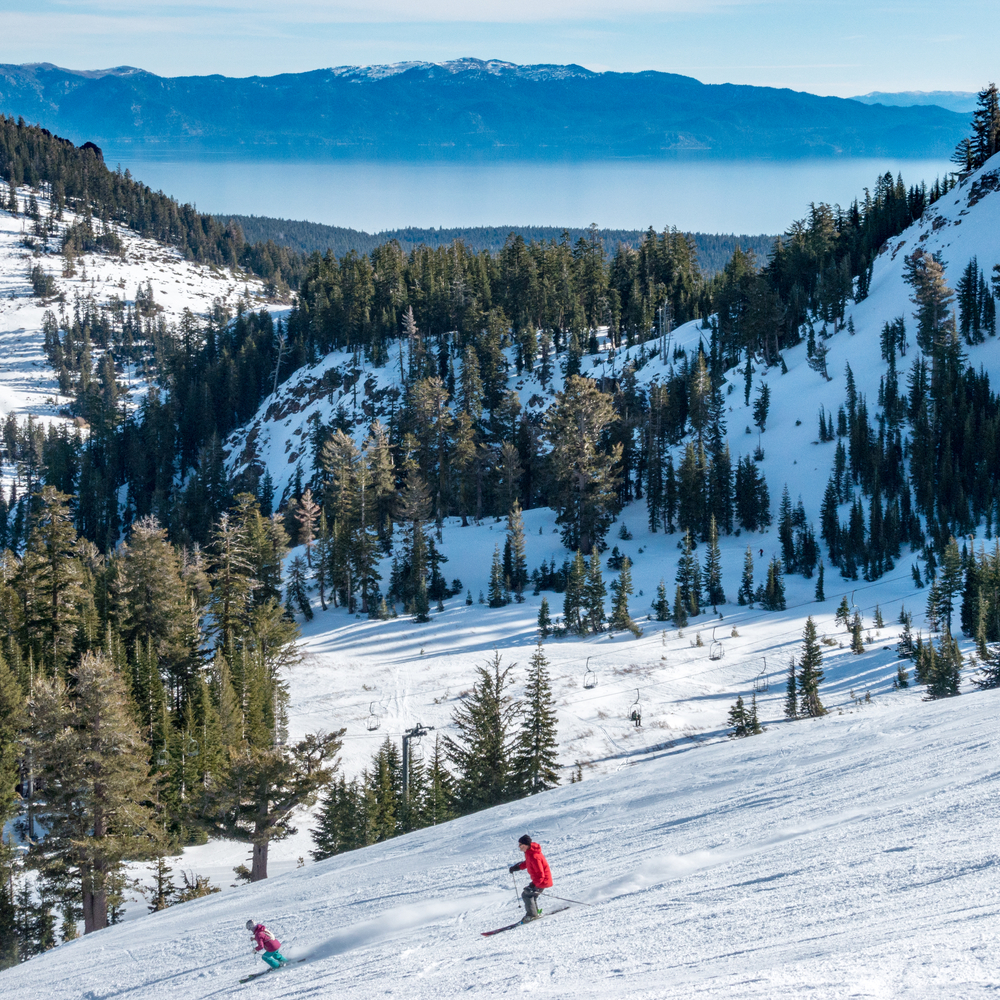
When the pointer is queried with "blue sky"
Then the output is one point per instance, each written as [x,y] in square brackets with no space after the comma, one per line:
[840,47]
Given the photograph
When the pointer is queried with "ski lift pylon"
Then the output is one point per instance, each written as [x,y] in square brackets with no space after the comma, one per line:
[589,676]
[635,713]
[374,720]
[716,651]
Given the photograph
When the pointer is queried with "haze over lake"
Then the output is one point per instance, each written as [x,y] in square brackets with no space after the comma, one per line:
[707,196]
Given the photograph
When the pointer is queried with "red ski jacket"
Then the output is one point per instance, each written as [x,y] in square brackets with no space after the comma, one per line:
[538,867]
[265,939]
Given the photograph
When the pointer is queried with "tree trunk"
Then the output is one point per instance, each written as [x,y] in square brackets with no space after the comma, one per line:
[258,868]
[95,909]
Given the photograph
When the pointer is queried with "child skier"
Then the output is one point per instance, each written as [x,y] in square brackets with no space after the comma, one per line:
[541,877]
[266,941]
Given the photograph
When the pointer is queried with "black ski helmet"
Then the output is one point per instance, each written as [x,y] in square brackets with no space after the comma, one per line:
[526,840]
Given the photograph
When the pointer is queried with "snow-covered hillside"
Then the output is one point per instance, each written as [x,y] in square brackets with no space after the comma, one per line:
[850,856]
[27,384]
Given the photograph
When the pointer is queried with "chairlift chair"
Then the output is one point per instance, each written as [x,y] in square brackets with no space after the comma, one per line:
[374,720]
[760,682]
[716,650]
[635,712]
[589,676]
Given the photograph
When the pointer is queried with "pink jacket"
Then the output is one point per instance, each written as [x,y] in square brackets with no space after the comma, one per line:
[264,939]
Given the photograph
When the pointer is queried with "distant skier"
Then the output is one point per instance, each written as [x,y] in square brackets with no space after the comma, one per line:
[541,876]
[270,945]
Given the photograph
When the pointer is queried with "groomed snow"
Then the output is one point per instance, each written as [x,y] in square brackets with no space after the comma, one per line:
[850,856]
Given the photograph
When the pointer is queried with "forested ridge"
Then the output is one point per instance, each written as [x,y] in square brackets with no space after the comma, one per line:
[148,607]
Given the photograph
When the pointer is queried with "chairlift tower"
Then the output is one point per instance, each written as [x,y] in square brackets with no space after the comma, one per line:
[411,734]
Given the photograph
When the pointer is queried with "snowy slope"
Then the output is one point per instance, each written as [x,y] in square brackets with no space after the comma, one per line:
[852,856]
[839,853]
[27,385]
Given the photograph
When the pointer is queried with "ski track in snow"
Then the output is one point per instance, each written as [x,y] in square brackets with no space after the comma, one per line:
[851,856]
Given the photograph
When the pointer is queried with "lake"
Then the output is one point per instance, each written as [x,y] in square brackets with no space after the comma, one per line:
[709,196]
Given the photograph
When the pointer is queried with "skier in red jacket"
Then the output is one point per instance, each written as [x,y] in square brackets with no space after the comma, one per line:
[267,942]
[541,878]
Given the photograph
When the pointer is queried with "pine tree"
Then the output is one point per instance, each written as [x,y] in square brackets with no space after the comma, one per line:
[584,474]
[537,749]
[791,694]
[679,614]
[738,719]
[298,596]
[688,576]
[163,889]
[810,672]
[92,762]
[943,673]
[820,594]
[857,643]
[746,594]
[519,564]
[594,595]
[306,514]
[544,620]
[486,744]
[574,595]
[754,727]
[621,620]
[879,621]
[843,615]
[342,822]
[714,593]
[496,590]
[774,589]
[661,606]
[440,798]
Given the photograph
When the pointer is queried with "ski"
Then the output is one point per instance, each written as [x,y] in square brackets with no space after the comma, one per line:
[510,927]
[264,972]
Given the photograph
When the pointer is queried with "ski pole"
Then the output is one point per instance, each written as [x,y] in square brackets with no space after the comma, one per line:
[562,899]
[514,880]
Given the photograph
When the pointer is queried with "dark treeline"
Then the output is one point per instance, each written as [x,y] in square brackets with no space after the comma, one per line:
[714,249]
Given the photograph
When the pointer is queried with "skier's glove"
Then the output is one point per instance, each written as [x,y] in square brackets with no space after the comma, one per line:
[514,868]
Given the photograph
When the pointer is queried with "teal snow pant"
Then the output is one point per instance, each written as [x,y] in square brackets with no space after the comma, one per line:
[274,959]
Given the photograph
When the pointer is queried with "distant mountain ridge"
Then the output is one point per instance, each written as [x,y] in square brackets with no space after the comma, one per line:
[961,101]
[464,109]
[714,249]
